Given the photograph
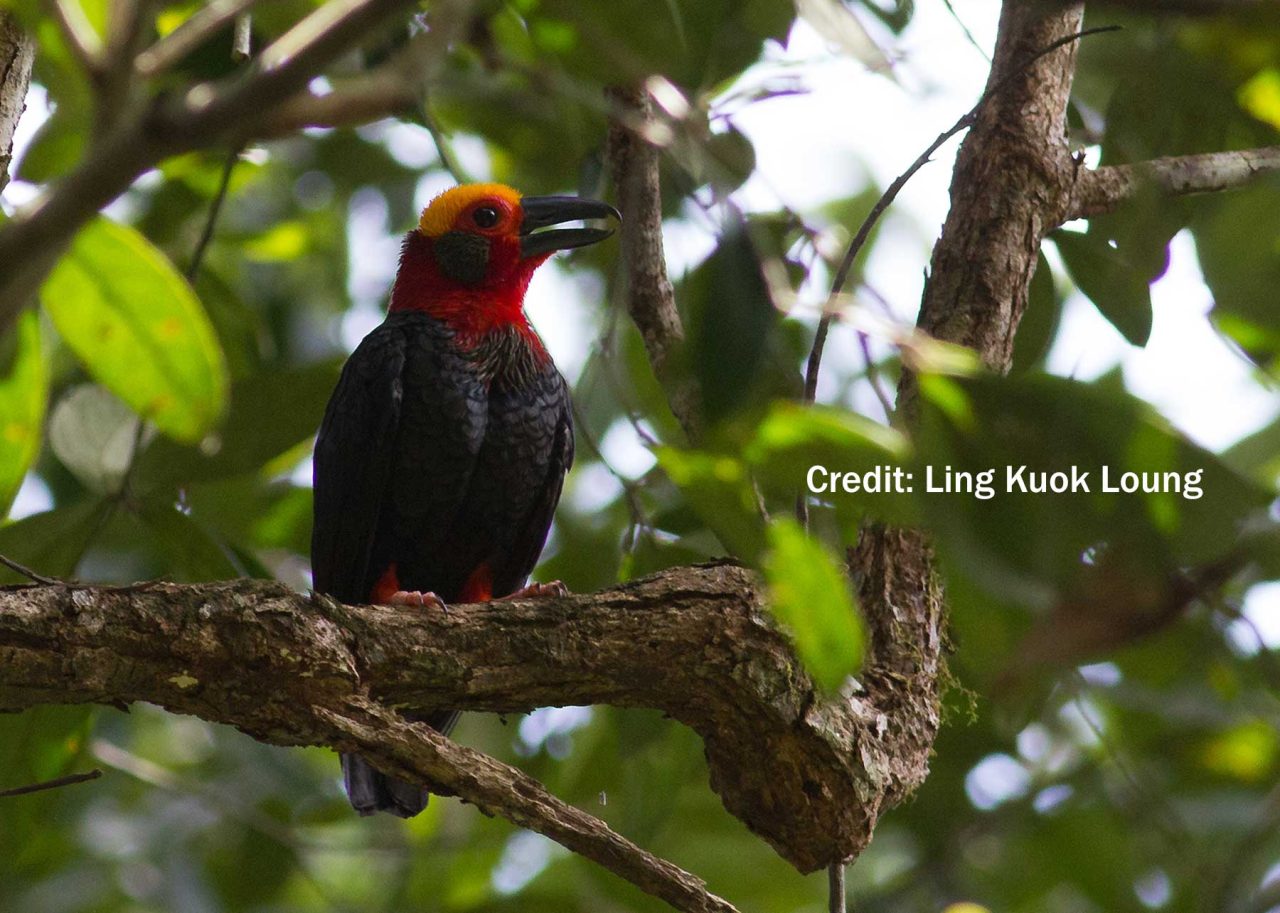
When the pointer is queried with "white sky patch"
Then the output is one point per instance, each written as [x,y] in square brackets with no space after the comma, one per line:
[1154,889]
[625,451]
[19,193]
[996,779]
[686,242]
[1051,797]
[557,300]
[523,859]
[473,157]
[548,722]
[409,144]
[1261,621]
[431,185]
[358,321]
[591,488]
[1187,371]
[373,252]
[33,497]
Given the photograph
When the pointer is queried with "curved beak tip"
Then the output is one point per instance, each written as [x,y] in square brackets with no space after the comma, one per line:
[543,212]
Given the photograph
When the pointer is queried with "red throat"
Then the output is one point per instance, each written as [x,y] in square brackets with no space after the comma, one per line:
[471,311]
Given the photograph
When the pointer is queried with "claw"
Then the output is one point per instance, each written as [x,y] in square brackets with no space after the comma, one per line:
[417,598]
[538,591]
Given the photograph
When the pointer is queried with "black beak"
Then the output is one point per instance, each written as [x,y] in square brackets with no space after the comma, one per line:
[539,212]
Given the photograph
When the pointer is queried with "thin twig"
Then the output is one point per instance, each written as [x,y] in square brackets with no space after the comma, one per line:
[630,487]
[79,36]
[242,38]
[964,28]
[444,148]
[203,25]
[890,194]
[68,780]
[1167,818]
[28,573]
[835,888]
[211,220]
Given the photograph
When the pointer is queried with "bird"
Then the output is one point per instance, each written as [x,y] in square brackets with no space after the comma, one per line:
[444,446]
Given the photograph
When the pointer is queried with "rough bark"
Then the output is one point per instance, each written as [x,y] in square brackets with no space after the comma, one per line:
[1104,189]
[17,53]
[633,162]
[807,775]
[1010,187]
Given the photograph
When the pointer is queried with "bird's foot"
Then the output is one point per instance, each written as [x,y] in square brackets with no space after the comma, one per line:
[538,591]
[416,598]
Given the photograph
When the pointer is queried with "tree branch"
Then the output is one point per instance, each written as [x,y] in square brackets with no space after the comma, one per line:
[420,753]
[58,783]
[1104,189]
[1009,187]
[202,25]
[1181,7]
[206,115]
[633,162]
[693,642]
[17,53]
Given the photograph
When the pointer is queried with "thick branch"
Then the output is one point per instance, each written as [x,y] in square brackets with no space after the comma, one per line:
[419,752]
[633,162]
[807,775]
[1182,7]
[1008,189]
[1011,186]
[17,52]
[1104,189]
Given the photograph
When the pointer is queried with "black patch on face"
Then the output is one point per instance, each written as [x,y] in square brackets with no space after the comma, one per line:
[463,256]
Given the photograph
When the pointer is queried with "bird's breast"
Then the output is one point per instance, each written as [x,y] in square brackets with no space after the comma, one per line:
[507,357]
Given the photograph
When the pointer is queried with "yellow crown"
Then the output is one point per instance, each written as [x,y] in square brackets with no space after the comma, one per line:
[443,211]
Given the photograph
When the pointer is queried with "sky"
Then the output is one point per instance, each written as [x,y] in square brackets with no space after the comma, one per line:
[848,123]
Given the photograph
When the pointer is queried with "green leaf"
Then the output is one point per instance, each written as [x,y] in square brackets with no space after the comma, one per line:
[56,147]
[271,412]
[809,594]
[1238,244]
[720,490]
[1121,292]
[138,327]
[24,391]
[93,434]
[52,542]
[193,554]
[792,439]
[1257,455]
[693,44]
[1036,546]
[1039,323]
[734,329]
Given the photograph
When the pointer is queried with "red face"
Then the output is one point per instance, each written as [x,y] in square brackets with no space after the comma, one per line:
[475,250]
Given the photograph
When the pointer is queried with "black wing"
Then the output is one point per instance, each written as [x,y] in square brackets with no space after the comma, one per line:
[397,446]
[552,399]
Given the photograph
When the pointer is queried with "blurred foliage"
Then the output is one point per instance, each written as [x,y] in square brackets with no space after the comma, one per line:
[1147,779]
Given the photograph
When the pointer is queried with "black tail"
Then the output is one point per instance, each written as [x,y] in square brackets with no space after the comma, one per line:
[372,791]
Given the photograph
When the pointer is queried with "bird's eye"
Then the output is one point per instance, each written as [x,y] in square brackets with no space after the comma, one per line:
[485,217]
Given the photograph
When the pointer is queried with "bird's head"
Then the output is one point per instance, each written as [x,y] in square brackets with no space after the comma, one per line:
[471,257]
